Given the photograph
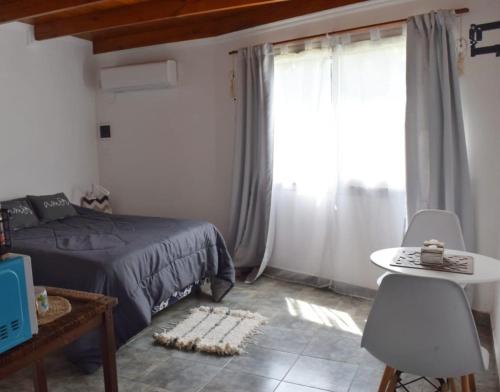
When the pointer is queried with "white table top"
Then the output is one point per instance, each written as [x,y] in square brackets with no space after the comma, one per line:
[486,269]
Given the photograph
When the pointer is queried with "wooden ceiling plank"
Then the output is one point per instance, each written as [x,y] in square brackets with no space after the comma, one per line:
[12,10]
[150,11]
[210,26]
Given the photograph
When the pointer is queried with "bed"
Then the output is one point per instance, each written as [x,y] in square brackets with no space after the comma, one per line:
[147,263]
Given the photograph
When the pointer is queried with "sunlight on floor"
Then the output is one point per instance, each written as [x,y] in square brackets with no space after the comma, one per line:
[322,315]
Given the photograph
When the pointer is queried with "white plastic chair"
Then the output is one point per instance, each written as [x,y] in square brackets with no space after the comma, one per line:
[441,225]
[424,326]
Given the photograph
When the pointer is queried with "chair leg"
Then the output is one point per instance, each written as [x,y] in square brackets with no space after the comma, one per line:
[384,382]
[451,384]
[472,382]
[393,380]
[465,383]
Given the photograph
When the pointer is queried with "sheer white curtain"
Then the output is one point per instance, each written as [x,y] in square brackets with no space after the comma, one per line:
[338,191]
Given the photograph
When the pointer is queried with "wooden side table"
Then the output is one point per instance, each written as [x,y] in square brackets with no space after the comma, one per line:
[89,311]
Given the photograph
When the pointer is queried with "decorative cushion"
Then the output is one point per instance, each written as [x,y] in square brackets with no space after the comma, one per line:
[52,207]
[100,204]
[21,214]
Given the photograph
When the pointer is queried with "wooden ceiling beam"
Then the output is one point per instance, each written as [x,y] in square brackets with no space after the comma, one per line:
[140,13]
[12,10]
[196,27]
[191,29]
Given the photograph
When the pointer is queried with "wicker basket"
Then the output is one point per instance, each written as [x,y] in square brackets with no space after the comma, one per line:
[58,307]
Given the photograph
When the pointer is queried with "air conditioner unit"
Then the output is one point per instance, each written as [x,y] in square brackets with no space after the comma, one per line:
[139,76]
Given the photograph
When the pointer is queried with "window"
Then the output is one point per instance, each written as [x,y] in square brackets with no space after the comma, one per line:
[339,158]
[339,116]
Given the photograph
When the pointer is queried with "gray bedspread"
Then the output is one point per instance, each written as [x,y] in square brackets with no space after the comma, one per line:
[147,263]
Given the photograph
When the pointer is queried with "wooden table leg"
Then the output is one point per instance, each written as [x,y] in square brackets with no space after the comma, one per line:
[472,382]
[108,352]
[39,377]
[465,383]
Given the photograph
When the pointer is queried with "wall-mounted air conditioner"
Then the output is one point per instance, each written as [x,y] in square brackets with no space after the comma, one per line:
[139,76]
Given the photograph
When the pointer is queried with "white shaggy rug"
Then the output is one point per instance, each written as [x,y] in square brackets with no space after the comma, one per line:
[218,330]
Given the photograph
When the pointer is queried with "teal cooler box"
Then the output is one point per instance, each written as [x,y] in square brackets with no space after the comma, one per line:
[18,321]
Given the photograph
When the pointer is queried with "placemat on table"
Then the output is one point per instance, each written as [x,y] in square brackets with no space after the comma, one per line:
[452,263]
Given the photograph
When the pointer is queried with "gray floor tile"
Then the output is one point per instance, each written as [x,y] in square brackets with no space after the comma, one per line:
[143,341]
[424,386]
[283,339]
[133,364]
[366,379]
[322,373]
[78,383]
[280,318]
[263,362]
[337,346]
[131,386]
[168,318]
[208,359]
[231,381]
[288,387]
[92,384]
[178,375]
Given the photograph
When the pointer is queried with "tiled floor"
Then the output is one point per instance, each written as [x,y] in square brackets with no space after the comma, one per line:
[311,344]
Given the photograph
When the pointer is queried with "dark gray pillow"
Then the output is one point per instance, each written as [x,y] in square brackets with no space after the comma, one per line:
[21,214]
[52,207]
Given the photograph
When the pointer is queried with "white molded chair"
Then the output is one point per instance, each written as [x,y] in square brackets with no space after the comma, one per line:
[441,225]
[424,326]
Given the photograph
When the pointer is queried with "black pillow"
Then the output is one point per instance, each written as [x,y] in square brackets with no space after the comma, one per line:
[21,214]
[52,207]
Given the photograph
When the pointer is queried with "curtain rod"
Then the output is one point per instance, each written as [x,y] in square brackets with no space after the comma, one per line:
[392,23]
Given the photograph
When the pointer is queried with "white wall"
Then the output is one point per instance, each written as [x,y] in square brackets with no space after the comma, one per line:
[166,156]
[47,115]
[177,144]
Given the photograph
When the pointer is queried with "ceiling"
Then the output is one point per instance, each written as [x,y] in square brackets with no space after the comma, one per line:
[122,24]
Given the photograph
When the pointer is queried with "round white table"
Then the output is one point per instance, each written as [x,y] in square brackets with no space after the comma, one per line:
[486,269]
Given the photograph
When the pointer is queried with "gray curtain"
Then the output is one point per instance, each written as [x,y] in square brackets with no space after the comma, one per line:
[253,162]
[436,154]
